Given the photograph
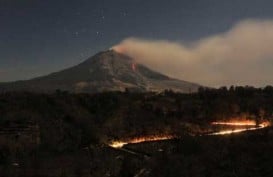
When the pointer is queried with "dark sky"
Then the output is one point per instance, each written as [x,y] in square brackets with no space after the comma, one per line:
[41,36]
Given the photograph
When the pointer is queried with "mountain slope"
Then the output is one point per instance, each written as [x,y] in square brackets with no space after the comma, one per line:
[106,71]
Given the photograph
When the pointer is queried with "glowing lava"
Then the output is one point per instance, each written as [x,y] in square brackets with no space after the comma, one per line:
[134,67]
[120,144]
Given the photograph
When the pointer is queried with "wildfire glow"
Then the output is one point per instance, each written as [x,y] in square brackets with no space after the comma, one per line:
[250,125]
[224,132]
[240,123]
[120,144]
[236,123]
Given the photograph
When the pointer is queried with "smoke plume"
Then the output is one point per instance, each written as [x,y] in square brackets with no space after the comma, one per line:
[241,56]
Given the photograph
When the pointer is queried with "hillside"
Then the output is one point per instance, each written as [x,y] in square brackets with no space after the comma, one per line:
[106,71]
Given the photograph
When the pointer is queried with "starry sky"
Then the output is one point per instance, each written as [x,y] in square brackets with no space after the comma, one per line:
[41,36]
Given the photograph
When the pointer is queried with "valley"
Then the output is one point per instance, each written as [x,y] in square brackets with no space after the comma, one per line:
[140,134]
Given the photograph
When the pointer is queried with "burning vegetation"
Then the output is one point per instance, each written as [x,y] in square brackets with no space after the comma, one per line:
[236,123]
[247,124]
[120,144]
[71,124]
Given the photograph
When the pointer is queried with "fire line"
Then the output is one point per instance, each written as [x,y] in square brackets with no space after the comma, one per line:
[240,123]
[120,144]
[251,125]
[236,123]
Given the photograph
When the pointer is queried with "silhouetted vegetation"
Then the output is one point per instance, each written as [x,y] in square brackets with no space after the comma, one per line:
[62,128]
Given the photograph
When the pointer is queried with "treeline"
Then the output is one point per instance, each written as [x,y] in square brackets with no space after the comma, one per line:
[68,121]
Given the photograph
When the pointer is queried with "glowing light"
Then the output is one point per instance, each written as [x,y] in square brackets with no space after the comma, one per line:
[120,144]
[224,132]
[265,124]
[251,125]
[236,123]
[243,123]
[134,67]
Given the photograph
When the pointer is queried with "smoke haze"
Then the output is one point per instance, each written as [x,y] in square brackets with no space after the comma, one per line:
[241,56]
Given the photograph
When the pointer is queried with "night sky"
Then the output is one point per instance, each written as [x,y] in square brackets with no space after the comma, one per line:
[41,36]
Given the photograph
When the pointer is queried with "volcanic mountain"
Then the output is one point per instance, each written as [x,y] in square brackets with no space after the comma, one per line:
[106,71]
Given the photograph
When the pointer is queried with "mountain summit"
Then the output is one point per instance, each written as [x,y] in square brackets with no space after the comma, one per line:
[106,71]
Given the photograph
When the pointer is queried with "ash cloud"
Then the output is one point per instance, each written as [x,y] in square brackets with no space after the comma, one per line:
[241,56]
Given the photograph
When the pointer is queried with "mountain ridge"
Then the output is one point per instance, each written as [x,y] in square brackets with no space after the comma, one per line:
[105,71]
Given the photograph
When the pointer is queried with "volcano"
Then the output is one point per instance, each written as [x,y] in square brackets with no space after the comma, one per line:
[105,71]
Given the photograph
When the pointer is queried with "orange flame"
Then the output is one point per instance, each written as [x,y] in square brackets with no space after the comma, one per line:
[240,123]
[120,144]
[236,123]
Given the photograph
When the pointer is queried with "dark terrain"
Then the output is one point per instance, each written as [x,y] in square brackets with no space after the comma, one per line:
[66,134]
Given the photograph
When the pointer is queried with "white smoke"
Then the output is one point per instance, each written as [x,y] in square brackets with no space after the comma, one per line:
[241,56]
